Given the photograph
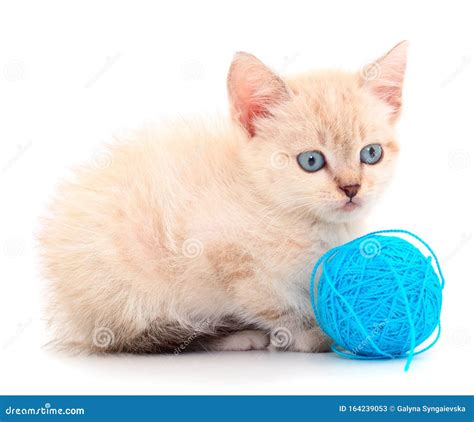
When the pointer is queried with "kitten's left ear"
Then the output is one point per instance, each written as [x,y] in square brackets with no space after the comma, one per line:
[385,76]
[253,90]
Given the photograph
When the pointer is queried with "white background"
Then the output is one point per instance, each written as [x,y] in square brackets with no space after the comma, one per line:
[73,75]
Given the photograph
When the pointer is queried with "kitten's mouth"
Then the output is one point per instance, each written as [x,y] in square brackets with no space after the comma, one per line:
[350,206]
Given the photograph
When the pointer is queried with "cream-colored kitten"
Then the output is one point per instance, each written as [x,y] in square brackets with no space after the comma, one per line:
[204,235]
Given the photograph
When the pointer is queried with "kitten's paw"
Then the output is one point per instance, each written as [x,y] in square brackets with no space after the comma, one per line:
[242,341]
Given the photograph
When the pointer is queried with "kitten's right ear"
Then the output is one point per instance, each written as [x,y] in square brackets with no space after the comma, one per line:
[253,90]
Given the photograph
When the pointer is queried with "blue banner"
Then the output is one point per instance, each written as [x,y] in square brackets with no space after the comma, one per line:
[237,408]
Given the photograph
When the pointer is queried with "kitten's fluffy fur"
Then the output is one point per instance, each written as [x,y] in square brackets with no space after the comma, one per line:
[203,235]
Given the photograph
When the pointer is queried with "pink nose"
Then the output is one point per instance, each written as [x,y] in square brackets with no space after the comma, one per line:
[350,190]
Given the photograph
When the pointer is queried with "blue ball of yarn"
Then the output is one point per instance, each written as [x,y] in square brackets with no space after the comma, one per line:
[378,296]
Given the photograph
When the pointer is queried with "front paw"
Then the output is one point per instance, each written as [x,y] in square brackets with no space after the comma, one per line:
[241,341]
[297,340]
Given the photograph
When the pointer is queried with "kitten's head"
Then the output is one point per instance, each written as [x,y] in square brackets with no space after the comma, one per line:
[322,142]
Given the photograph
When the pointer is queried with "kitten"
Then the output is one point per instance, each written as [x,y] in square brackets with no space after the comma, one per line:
[204,235]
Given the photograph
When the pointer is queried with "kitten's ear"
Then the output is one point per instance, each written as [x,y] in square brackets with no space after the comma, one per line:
[253,90]
[385,76]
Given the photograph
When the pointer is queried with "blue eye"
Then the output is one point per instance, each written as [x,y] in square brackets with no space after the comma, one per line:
[311,161]
[371,154]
